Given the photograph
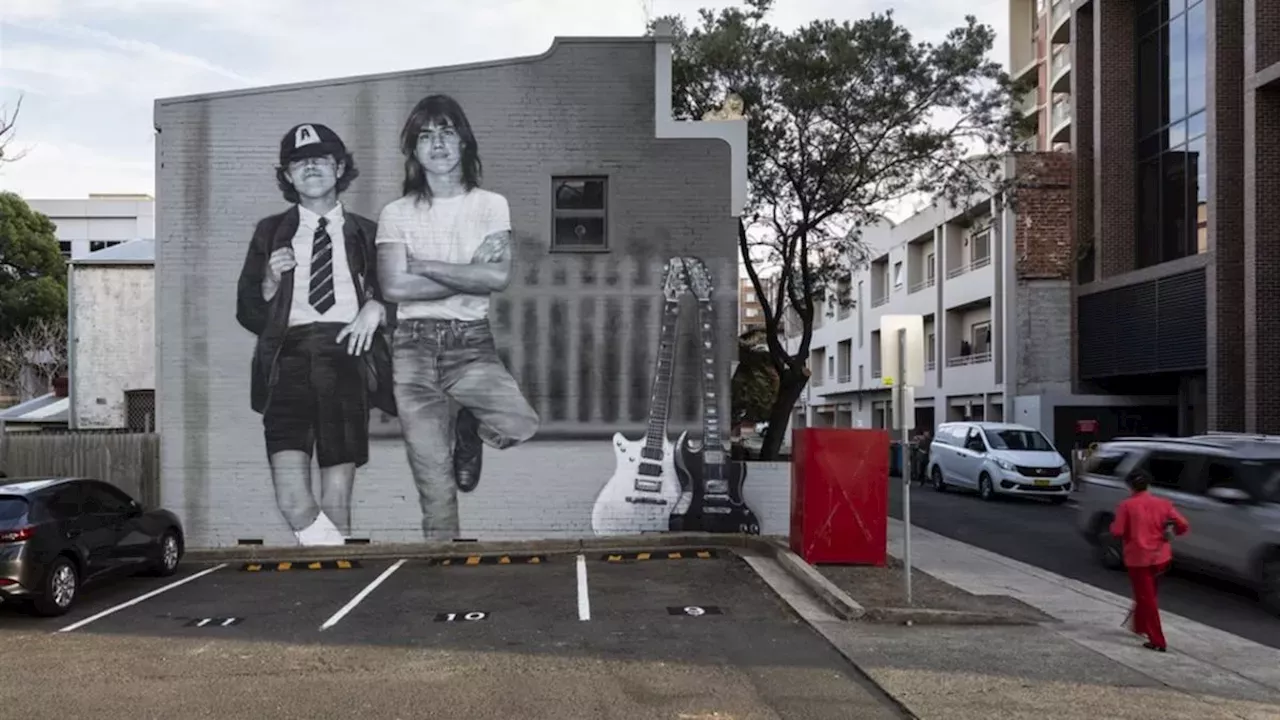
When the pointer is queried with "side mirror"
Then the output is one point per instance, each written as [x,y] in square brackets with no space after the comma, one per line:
[1228,494]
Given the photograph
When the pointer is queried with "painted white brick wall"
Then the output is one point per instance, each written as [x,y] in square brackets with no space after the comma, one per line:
[586,107]
[114,345]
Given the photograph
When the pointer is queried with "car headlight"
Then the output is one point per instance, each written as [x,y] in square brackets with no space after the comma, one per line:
[1065,468]
[1005,464]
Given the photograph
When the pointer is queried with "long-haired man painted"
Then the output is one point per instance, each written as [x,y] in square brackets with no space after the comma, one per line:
[443,249]
[309,291]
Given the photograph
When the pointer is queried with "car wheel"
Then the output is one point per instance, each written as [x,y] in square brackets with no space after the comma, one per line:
[169,554]
[985,490]
[1269,590]
[938,483]
[61,586]
[1109,550]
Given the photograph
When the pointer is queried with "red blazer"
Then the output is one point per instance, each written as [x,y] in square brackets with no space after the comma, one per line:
[1140,523]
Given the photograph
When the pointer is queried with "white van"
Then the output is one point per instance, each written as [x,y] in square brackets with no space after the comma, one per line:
[998,459]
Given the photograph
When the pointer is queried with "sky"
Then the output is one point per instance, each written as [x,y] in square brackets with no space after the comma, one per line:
[89,71]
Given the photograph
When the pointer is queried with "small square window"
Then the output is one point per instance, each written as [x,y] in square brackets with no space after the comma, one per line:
[579,214]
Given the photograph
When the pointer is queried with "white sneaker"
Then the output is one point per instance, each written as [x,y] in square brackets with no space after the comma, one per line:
[321,532]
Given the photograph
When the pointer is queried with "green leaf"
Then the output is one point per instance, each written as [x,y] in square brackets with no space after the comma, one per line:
[33,273]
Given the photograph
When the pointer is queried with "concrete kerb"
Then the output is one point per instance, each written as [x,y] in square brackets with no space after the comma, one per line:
[776,548]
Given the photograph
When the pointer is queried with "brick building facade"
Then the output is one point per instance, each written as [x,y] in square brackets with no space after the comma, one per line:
[1177,207]
[577,327]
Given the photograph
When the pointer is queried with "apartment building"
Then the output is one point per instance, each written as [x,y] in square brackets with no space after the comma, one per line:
[1176,134]
[750,313]
[1040,56]
[992,283]
[98,222]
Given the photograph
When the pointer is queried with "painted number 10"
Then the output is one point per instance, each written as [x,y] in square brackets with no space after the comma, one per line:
[455,617]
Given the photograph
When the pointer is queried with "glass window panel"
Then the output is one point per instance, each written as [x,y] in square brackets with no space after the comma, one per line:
[1197,194]
[1149,84]
[1197,76]
[1176,6]
[580,232]
[579,194]
[1148,21]
[1177,134]
[1173,205]
[1176,82]
[1148,212]
[1152,146]
[1195,125]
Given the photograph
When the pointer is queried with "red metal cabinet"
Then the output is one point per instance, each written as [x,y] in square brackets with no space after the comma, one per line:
[839,495]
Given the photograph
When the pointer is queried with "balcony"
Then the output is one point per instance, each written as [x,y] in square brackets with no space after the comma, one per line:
[976,264]
[877,302]
[1060,69]
[923,285]
[1028,72]
[970,359]
[1060,22]
[1060,120]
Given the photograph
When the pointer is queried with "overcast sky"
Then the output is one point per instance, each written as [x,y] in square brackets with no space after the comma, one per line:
[89,70]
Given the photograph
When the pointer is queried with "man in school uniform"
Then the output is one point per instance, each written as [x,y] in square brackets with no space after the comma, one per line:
[309,291]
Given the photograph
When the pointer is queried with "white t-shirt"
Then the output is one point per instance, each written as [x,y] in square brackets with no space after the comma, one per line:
[446,230]
[346,300]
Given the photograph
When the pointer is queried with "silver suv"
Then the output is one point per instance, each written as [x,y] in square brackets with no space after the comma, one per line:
[1226,485]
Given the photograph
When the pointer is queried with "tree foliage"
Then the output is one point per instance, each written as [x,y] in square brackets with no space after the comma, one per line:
[846,120]
[33,274]
[755,381]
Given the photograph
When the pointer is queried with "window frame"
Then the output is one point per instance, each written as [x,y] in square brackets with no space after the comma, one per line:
[558,213]
[973,336]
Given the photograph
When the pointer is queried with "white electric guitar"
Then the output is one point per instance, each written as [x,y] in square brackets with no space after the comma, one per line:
[644,489]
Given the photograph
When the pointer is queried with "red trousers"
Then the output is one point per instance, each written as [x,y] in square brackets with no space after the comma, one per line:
[1146,609]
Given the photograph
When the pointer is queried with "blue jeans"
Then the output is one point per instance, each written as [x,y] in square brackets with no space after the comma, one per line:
[440,367]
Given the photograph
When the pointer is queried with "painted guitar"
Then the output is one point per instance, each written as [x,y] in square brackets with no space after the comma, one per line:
[716,504]
[644,489]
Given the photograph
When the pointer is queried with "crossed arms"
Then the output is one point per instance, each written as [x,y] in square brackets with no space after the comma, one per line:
[404,280]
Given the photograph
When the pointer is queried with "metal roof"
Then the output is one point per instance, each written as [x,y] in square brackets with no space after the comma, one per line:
[26,486]
[48,408]
[139,251]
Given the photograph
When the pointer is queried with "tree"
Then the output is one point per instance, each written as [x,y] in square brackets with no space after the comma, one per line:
[755,382]
[32,356]
[33,274]
[845,121]
[9,121]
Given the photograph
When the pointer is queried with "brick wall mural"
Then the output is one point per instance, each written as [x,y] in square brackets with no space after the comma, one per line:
[484,302]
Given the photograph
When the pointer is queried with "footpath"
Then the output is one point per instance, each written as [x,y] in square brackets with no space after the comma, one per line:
[1046,647]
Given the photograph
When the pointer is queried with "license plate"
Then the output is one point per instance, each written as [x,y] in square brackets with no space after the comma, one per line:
[1042,483]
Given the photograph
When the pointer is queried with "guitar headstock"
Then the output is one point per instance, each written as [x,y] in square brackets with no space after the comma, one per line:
[699,277]
[675,280]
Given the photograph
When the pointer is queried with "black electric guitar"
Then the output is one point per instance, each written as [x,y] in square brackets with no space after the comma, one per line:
[713,482]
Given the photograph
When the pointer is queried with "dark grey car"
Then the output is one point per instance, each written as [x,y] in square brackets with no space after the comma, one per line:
[1226,485]
[59,534]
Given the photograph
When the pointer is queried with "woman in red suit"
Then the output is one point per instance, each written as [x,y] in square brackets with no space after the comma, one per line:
[1147,524]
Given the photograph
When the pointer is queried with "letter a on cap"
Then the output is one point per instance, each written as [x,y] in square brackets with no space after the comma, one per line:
[305,135]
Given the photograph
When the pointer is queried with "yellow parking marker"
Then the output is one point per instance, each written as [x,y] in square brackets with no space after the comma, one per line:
[504,560]
[535,560]
[284,566]
[473,560]
[615,558]
[674,556]
[642,556]
[314,566]
[446,561]
[704,554]
[253,568]
[344,564]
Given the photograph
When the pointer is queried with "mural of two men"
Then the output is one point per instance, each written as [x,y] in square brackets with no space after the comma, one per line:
[321,286]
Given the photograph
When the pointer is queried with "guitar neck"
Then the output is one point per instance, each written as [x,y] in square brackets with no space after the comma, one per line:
[660,398]
[712,440]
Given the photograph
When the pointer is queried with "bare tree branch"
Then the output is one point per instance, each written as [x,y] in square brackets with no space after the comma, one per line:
[8,125]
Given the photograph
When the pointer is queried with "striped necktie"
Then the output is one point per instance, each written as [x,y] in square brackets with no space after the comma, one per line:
[321,295]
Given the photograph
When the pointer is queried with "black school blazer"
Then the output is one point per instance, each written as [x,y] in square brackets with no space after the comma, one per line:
[269,320]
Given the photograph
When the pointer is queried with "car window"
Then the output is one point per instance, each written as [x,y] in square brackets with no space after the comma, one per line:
[103,498]
[974,440]
[1169,470]
[65,501]
[13,510]
[1106,462]
[1264,478]
[1221,473]
[1018,440]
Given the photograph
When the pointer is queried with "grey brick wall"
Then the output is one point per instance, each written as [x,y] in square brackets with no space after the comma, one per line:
[1044,334]
[579,332]
[1261,221]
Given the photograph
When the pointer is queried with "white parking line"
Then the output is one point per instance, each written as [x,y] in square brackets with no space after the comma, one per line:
[139,599]
[584,600]
[353,602]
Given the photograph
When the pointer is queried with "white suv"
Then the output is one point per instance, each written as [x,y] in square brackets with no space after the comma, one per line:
[998,459]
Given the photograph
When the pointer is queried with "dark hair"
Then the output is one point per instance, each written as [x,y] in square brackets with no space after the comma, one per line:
[1139,479]
[440,109]
[349,173]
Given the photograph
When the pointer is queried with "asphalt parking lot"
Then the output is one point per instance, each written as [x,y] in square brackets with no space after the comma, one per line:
[697,630]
